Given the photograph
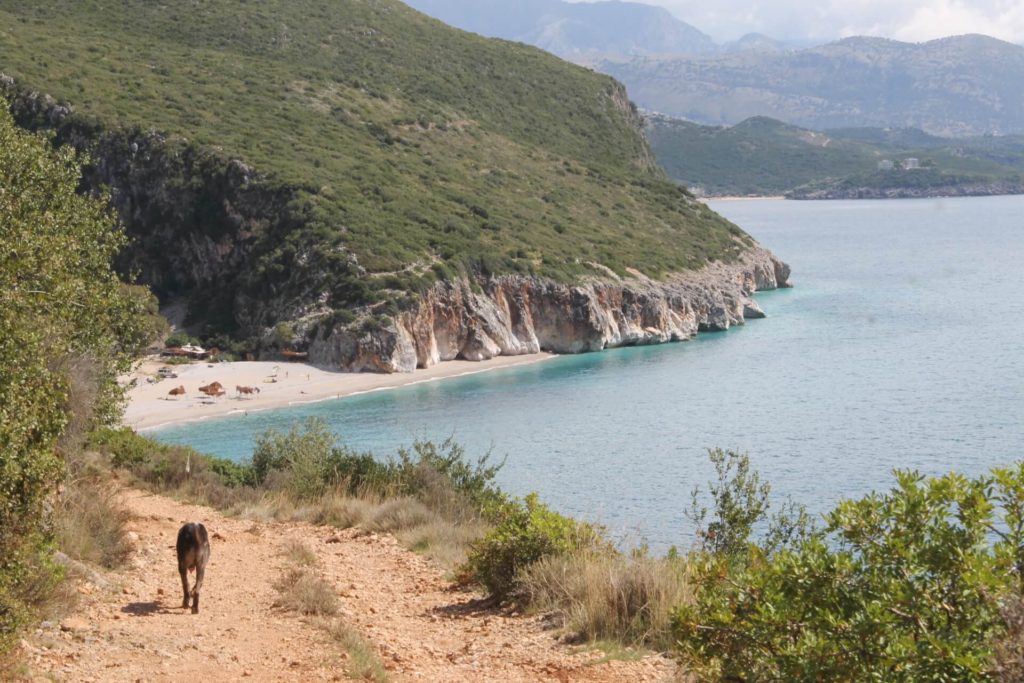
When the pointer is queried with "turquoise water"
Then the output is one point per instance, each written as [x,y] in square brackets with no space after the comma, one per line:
[900,346]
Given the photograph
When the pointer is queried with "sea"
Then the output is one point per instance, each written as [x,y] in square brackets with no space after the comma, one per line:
[900,346]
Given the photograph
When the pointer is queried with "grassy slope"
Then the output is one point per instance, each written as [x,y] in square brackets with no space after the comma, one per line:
[765,156]
[416,143]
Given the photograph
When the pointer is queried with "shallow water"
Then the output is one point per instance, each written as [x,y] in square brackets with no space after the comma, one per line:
[900,346]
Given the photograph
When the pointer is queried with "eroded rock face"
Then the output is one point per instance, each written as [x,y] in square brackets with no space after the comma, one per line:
[514,315]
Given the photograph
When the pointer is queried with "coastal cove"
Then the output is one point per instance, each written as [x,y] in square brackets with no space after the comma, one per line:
[898,347]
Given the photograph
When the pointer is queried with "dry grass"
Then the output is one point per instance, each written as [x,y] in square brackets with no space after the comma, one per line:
[299,553]
[337,510]
[363,663]
[205,489]
[608,597]
[268,507]
[445,543]
[13,667]
[303,590]
[83,376]
[416,526]
[398,514]
[1009,650]
[89,523]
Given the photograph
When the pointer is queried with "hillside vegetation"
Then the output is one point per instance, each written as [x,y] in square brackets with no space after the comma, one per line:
[400,150]
[764,156]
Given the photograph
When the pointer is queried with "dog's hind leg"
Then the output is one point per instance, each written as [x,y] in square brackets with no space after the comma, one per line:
[184,583]
[200,570]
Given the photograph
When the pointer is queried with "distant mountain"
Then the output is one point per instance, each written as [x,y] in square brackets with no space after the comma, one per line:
[756,42]
[575,31]
[763,156]
[963,85]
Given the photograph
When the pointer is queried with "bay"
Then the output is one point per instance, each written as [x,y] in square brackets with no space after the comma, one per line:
[900,346]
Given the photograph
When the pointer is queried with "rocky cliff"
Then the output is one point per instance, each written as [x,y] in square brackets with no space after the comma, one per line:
[514,315]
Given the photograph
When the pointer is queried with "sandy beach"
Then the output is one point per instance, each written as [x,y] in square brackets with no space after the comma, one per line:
[280,384]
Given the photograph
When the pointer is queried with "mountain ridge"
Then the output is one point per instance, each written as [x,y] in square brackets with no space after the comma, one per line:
[954,86]
[576,31]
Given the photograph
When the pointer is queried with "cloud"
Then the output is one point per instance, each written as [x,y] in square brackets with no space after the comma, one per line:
[804,21]
[942,17]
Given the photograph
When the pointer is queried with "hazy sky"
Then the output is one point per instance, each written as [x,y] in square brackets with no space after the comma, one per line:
[823,20]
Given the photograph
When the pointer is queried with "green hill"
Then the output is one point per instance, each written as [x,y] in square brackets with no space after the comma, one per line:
[763,156]
[382,150]
[757,156]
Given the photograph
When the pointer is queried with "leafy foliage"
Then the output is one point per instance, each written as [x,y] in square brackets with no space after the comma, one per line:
[302,455]
[740,500]
[308,462]
[524,532]
[167,466]
[61,307]
[902,586]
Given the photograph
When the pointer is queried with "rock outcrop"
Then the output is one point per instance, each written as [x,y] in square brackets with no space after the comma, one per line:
[515,315]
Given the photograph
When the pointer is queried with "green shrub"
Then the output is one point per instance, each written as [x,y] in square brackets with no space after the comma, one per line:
[284,336]
[302,452]
[167,466]
[902,586]
[124,446]
[62,310]
[438,473]
[230,473]
[181,338]
[740,502]
[307,462]
[524,532]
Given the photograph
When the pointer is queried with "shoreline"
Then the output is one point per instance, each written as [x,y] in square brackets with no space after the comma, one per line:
[280,384]
[743,198]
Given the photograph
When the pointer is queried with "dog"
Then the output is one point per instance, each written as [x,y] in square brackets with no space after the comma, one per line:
[193,553]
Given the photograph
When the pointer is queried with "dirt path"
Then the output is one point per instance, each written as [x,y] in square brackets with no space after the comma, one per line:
[130,627]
